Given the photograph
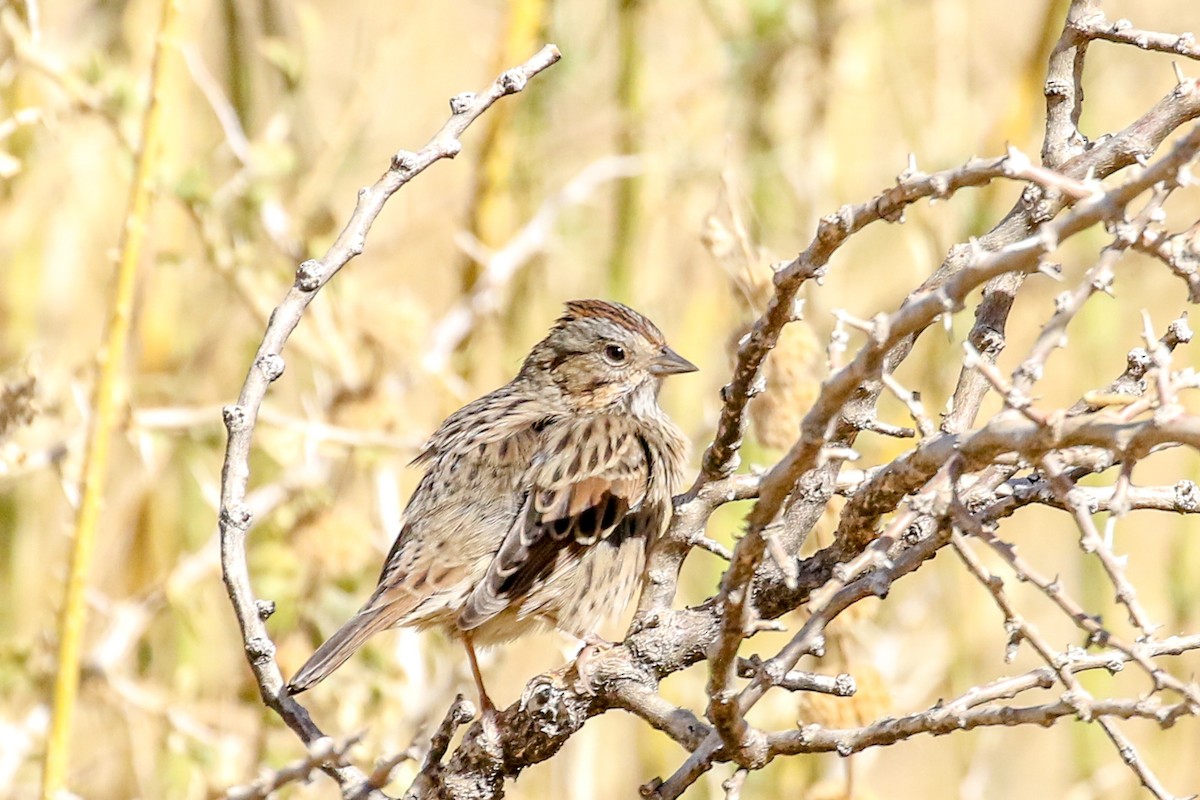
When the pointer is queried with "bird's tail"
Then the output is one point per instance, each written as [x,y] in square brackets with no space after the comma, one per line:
[339,647]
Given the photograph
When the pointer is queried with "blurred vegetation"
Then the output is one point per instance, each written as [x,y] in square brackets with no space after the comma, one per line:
[772,113]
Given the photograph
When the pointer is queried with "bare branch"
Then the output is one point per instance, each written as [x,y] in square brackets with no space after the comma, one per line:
[796,681]
[1096,26]
[939,722]
[832,232]
[322,753]
[1064,89]
[428,780]
[1135,141]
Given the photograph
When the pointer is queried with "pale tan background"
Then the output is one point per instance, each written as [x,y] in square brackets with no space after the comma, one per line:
[326,92]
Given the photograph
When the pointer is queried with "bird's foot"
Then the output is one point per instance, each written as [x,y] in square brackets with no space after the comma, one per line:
[486,706]
[489,719]
[584,666]
[597,641]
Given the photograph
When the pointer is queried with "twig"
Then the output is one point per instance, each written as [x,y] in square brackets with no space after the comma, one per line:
[1093,542]
[839,594]
[1182,497]
[733,784]
[912,402]
[1097,26]
[1074,660]
[813,738]
[1131,382]
[1064,89]
[428,778]
[1098,279]
[1089,623]
[1076,695]
[685,531]
[832,232]
[742,741]
[885,333]
[797,681]
[1179,252]
[1063,149]
[922,308]
[918,312]
[321,753]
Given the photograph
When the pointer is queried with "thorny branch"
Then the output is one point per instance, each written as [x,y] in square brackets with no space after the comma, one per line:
[1096,26]
[322,752]
[954,488]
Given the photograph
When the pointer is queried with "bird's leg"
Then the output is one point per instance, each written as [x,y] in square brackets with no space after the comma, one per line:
[485,702]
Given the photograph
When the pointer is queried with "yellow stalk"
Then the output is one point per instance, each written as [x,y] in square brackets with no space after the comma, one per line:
[104,417]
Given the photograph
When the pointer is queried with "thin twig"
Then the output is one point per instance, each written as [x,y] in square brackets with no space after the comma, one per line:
[1097,26]
[321,753]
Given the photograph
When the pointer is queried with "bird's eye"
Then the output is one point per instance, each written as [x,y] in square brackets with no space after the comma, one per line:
[614,354]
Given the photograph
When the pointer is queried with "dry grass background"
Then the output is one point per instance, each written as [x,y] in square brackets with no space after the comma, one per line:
[781,111]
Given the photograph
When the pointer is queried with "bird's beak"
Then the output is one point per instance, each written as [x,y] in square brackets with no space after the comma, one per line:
[668,362]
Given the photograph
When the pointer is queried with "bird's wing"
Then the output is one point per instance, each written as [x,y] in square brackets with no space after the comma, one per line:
[587,476]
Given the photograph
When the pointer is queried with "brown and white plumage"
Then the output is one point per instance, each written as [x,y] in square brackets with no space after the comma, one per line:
[539,499]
